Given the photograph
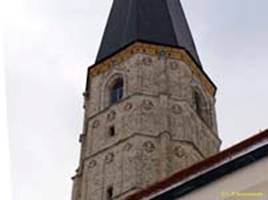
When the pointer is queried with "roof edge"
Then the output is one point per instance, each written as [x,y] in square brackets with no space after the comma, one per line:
[203,165]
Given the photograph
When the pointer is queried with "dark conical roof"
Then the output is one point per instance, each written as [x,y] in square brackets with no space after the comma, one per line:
[154,21]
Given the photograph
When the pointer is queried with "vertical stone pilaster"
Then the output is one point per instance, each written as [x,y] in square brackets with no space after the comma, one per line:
[163,98]
[164,138]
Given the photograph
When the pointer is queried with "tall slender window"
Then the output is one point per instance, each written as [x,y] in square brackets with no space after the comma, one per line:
[202,109]
[197,104]
[117,91]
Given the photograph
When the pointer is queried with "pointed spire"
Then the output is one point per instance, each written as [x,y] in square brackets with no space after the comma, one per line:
[155,21]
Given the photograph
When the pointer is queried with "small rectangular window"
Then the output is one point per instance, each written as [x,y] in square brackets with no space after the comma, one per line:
[112,131]
[110,193]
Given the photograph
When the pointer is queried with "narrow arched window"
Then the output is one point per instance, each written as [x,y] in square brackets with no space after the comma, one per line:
[117,90]
[197,104]
[202,108]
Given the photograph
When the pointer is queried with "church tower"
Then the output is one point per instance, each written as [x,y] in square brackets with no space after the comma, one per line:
[149,105]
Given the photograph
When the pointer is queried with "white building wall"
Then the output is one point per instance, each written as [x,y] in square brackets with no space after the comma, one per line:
[249,180]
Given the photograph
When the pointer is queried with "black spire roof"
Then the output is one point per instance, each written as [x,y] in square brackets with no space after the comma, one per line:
[154,21]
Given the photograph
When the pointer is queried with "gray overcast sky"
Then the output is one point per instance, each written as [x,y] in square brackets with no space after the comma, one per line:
[50,43]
